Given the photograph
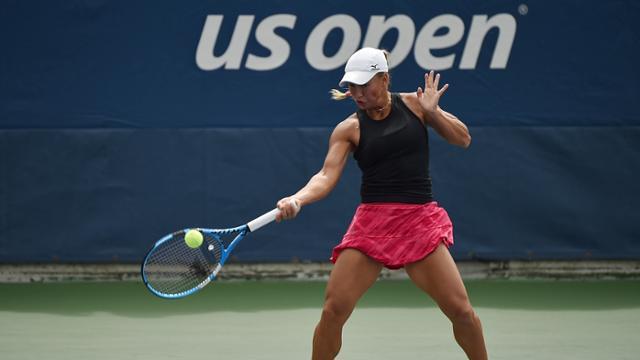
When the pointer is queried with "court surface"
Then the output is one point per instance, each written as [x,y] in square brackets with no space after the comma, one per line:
[274,320]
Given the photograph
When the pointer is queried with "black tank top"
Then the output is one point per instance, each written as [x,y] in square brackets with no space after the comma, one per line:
[393,155]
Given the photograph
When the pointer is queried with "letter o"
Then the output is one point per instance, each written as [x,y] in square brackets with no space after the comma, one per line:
[315,43]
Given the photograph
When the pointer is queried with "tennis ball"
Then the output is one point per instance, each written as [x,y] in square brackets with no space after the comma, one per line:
[193,238]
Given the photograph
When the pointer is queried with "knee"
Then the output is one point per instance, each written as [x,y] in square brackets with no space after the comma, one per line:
[335,310]
[462,314]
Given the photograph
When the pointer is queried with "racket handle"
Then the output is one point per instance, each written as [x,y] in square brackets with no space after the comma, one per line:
[269,217]
[263,220]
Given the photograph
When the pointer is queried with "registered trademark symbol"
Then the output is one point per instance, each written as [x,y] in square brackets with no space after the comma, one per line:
[523,9]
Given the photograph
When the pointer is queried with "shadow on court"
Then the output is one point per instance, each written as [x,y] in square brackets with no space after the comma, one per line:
[131,299]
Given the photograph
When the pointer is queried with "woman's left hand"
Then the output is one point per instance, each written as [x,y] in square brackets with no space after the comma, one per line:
[430,97]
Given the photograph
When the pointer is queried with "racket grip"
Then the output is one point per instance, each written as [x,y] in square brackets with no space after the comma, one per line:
[263,220]
[269,217]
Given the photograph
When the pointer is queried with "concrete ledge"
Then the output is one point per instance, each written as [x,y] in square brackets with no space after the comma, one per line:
[628,269]
[24,273]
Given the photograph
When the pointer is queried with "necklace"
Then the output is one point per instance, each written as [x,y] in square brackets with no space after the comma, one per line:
[381,109]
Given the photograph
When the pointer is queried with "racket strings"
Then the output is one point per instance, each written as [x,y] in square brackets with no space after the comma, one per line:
[174,268]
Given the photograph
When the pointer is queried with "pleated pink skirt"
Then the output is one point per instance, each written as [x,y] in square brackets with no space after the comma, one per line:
[396,234]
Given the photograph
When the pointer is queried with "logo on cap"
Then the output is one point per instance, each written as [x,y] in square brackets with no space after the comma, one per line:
[374,67]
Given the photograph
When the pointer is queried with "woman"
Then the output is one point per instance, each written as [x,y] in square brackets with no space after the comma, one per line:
[397,224]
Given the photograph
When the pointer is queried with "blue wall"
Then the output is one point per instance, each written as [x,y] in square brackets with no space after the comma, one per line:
[117,125]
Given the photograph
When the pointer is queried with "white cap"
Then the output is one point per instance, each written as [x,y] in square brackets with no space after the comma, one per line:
[363,65]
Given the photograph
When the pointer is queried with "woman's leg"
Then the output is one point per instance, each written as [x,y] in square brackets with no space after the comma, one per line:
[350,278]
[438,276]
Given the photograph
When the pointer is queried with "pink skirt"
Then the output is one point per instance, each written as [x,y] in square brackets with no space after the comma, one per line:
[396,234]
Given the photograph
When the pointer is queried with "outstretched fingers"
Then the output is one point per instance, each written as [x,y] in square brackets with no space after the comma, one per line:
[432,81]
[430,95]
[428,80]
[444,88]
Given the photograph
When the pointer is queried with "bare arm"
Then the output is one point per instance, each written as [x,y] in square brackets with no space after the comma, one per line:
[449,127]
[341,143]
[425,103]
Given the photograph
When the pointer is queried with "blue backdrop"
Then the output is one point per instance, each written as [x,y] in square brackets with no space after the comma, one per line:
[120,122]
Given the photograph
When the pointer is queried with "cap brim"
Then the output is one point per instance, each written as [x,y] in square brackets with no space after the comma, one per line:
[356,77]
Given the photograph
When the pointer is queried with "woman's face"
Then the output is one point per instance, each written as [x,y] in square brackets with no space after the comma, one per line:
[371,95]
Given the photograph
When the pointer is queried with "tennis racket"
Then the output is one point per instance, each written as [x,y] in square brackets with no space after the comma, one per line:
[173,270]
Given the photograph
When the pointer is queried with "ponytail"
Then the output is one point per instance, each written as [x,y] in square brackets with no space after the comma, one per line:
[339,95]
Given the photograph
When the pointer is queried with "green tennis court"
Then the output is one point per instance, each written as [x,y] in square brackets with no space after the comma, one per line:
[274,320]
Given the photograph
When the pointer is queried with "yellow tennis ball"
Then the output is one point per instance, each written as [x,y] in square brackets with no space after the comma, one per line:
[193,238]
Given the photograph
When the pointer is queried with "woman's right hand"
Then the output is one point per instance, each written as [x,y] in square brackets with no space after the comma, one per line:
[289,208]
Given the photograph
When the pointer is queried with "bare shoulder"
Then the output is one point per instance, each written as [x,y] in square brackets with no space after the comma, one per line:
[347,127]
[411,100]
[350,122]
[348,130]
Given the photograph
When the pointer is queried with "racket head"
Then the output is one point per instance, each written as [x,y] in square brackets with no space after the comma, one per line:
[172,269]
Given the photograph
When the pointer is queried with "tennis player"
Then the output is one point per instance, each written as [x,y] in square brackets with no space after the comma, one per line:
[397,225]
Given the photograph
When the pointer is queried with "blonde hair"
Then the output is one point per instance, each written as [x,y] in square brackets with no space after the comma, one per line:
[339,95]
